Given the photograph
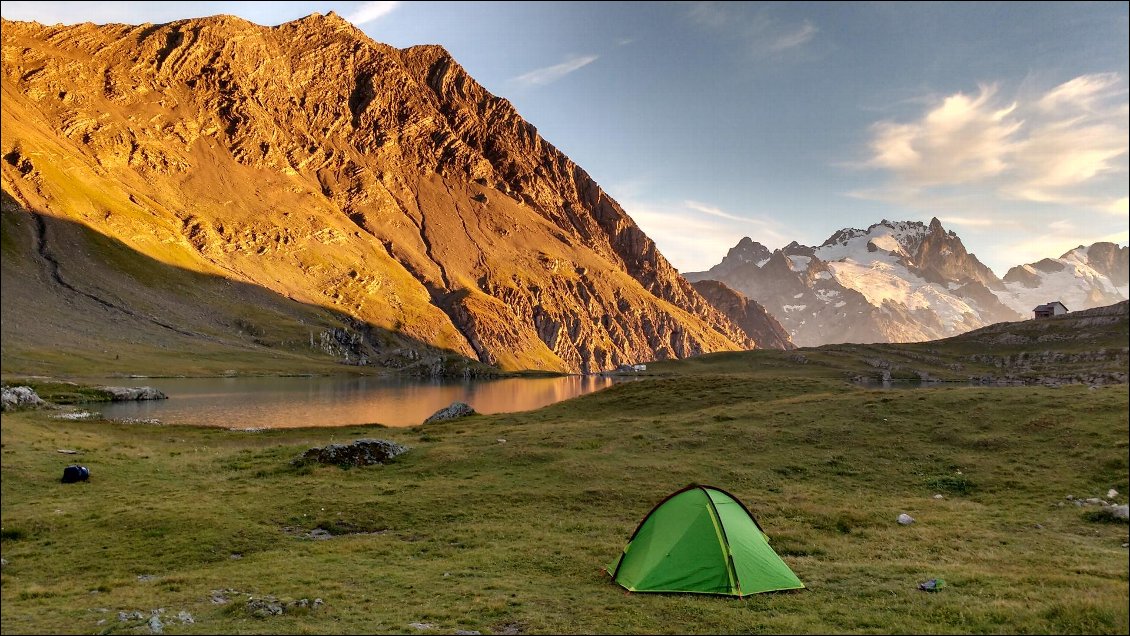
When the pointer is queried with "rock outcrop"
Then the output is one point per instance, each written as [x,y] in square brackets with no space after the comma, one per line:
[383,188]
[14,398]
[748,315]
[133,393]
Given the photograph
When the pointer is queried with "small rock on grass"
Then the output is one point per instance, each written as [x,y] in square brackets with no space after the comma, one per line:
[905,519]
[421,626]
[933,585]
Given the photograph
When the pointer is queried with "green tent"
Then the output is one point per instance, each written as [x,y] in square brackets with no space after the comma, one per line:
[702,540]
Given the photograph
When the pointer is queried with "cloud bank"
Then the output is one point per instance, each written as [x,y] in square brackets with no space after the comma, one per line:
[1067,146]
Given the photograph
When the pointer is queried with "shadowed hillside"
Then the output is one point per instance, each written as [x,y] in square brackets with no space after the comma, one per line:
[76,302]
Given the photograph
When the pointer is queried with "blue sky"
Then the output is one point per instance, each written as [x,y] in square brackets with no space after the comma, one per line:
[788,121]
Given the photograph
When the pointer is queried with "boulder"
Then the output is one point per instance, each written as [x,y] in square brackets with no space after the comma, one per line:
[456,410]
[1120,512]
[362,452]
[20,397]
[905,519]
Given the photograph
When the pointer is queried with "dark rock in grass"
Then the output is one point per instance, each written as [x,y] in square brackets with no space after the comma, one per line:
[73,474]
[362,452]
[264,607]
[933,585]
[1108,514]
[133,393]
[220,597]
[456,410]
[135,615]
[268,606]
[14,398]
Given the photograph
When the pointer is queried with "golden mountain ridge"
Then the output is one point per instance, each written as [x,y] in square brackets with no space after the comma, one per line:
[354,184]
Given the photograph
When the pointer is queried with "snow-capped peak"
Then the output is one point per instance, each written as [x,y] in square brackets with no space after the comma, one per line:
[1076,279]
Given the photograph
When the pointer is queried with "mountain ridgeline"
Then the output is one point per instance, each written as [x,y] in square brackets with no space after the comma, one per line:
[908,282]
[212,182]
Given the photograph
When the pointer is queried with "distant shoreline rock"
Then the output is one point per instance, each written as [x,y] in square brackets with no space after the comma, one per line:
[133,394]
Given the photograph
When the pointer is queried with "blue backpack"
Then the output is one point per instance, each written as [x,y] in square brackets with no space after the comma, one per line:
[71,474]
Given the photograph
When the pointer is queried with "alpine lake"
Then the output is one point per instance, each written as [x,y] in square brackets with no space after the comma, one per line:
[327,401]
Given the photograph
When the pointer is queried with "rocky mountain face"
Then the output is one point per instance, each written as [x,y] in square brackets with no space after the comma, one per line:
[376,194]
[1083,278]
[893,282]
[759,325]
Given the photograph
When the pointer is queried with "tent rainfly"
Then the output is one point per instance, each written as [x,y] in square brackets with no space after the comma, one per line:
[701,540]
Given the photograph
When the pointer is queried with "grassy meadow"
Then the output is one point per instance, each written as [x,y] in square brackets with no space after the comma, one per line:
[502,524]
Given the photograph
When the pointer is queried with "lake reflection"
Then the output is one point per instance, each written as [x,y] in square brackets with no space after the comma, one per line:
[334,401]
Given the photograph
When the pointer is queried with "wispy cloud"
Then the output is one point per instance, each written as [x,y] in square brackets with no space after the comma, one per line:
[1120,207]
[969,221]
[761,33]
[1083,91]
[1067,146]
[370,11]
[715,211]
[694,236]
[1062,225]
[794,38]
[550,74]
